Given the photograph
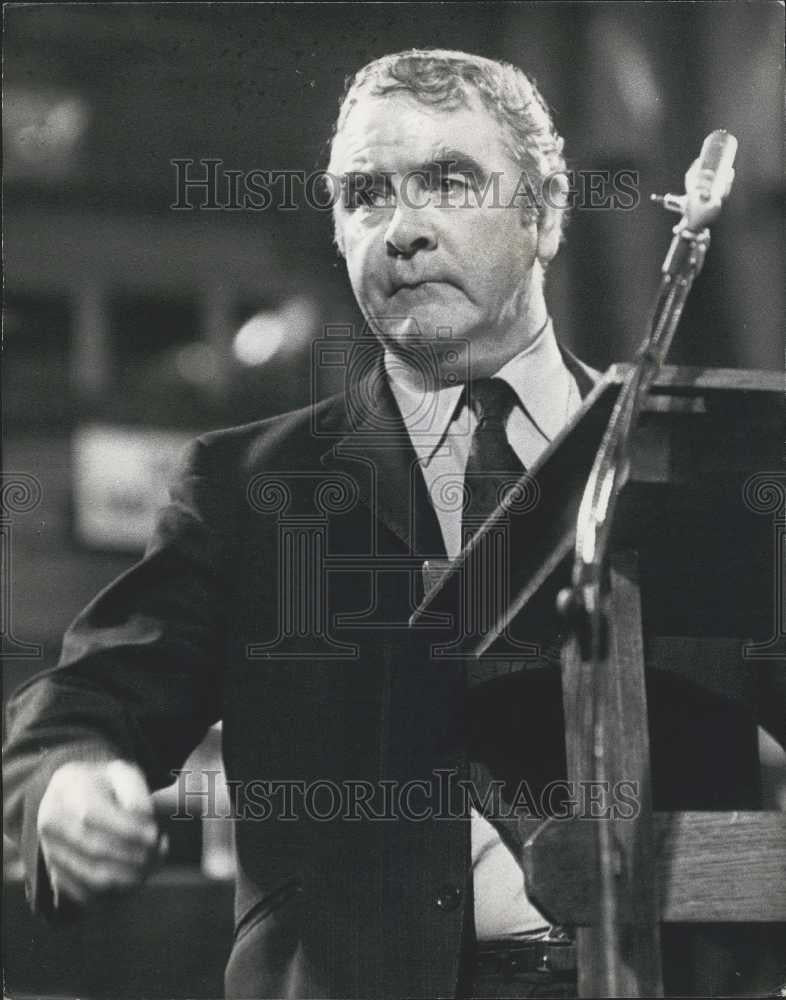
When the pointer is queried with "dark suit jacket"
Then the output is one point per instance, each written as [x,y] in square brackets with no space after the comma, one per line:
[274,595]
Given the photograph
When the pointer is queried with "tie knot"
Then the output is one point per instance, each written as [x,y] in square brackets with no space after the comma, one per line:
[492,399]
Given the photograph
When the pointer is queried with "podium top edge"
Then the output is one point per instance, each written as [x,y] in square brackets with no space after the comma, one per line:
[694,379]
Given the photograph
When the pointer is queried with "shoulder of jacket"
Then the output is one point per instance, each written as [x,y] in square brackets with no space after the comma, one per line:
[295,432]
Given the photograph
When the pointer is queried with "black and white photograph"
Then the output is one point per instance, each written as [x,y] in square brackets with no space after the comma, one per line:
[393,521]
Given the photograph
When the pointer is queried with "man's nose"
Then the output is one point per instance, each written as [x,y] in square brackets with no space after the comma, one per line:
[411,229]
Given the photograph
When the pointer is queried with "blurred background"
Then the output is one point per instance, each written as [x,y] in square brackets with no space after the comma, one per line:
[130,324]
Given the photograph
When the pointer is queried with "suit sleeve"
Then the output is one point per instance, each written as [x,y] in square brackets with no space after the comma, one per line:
[139,673]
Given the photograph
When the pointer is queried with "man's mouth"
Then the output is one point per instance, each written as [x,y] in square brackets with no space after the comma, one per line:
[408,286]
[423,285]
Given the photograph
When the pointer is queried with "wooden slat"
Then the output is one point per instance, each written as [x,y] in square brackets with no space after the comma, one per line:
[686,379]
[623,740]
[725,866]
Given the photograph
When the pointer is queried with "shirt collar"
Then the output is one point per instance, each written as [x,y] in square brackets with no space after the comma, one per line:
[541,381]
[537,375]
[427,413]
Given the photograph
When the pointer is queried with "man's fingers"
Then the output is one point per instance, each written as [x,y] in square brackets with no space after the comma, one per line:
[99,827]
[115,820]
[83,877]
[129,786]
[63,885]
[97,846]
[67,868]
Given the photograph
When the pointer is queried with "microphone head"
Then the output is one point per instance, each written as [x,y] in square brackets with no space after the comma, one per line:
[709,179]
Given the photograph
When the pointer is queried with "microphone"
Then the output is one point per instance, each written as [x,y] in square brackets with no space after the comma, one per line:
[709,179]
[707,183]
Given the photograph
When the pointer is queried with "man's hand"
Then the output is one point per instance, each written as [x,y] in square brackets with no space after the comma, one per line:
[97,830]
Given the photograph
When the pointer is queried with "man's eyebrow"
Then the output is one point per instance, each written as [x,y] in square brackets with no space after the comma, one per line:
[366,172]
[445,158]
[457,161]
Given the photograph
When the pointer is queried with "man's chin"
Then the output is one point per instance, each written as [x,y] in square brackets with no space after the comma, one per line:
[423,328]
[437,356]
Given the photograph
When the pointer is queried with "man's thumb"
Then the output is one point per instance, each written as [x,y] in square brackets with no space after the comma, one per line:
[129,786]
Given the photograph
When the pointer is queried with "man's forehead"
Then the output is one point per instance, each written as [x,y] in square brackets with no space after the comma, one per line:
[397,131]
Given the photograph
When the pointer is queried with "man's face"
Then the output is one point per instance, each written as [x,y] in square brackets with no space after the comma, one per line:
[427,250]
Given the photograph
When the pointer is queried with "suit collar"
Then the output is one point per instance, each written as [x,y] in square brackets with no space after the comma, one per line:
[377,452]
[375,449]
[536,374]
[585,377]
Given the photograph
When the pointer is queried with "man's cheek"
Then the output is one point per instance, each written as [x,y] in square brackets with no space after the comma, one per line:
[366,289]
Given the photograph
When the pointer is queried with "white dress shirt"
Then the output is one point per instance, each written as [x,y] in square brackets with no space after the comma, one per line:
[441,431]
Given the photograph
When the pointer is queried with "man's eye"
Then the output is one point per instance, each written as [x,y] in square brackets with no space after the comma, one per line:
[374,198]
[359,193]
[452,189]
[451,184]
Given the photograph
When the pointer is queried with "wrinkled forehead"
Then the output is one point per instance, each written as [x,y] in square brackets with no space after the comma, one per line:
[400,127]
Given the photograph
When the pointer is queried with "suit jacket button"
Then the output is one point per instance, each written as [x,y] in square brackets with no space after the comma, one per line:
[448,897]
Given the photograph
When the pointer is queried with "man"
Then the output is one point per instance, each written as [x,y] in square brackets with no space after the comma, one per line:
[450,205]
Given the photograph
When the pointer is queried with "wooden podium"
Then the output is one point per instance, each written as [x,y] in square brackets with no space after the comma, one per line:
[696,580]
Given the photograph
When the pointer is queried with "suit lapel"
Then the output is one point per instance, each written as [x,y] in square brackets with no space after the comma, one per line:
[378,454]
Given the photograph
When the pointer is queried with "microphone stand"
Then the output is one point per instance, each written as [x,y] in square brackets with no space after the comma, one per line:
[584,604]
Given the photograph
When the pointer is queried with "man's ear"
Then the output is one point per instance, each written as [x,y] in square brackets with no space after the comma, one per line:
[554,202]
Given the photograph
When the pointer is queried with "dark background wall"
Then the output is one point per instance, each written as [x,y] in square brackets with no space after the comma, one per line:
[121,309]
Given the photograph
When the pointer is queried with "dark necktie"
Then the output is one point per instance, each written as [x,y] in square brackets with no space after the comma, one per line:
[493,466]
[495,694]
